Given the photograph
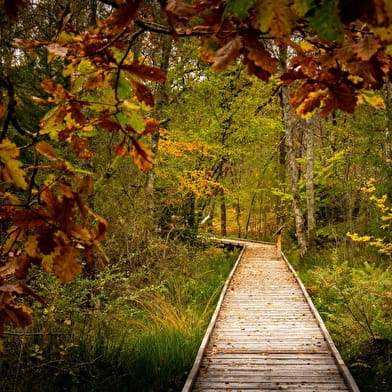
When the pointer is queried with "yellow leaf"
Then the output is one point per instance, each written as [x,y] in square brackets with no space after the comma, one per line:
[372,99]
[10,170]
[276,17]
[31,246]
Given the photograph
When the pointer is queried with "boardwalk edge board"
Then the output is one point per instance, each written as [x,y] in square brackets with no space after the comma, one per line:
[196,365]
[351,384]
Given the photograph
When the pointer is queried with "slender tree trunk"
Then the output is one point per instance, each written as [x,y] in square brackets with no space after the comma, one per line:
[290,120]
[93,12]
[161,98]
[223,214]
[238,216]
[251,206]
[310,202]
[388,120]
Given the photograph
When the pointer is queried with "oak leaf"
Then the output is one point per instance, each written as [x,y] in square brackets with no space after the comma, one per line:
[27,219]
[366,47]
[107,123]
[120,149]
[143,157]
[152,125]
[57,50]
[256,52]
[46,150]
[145,72]
[143,93]
[10,168]
[19,315]
[81,147]
[226,54]
[27,44]
[123,16]
[66,264]
[181,9]
[17,266]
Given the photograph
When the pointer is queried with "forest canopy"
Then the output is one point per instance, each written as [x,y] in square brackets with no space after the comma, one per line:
[97,79]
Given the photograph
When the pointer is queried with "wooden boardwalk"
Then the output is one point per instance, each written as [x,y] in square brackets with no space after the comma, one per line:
[266,335]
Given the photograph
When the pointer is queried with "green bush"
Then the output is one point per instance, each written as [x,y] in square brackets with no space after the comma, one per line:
[132,330]
[354,298]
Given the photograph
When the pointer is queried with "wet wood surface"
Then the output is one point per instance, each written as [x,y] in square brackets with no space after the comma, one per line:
[266,335]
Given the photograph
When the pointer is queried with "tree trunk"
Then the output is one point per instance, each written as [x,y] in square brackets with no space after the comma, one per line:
[251,206]
[388,120]
[309,172]
[161,99]
[290,120]
[238,217]
[223,214]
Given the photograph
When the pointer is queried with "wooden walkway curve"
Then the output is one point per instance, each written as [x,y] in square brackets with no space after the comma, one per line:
[266,334]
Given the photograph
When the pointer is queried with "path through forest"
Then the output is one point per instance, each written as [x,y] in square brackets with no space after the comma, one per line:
[266,334]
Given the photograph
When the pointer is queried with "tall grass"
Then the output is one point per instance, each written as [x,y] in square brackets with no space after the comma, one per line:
[124,331]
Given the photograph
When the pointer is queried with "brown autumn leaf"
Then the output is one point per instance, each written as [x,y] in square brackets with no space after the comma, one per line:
[107,123]
[46,150]
[143,93]
[2,111]
[27,219]
[46,240]
[97,79]
[256,52]
[253,69]
[57,50]
[19,315]
[181,9]
[86,187]
[49,86]
[366,47]
[100,232]
[25,43]
[81,147]
[123,16]
[66,264]
[75,109]
[65,189]
[152,125]
[50,202]
[19,289]
[142,156]
[345,96]
[17,266]
[120,149]
[145,72]
[226,54]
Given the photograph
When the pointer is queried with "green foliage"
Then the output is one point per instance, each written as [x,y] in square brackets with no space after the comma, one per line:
[325,20]
[352,293]
[133,329]
[238,7]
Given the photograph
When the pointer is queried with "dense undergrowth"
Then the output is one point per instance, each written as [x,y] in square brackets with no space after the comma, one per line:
[352,289]
[128,330]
